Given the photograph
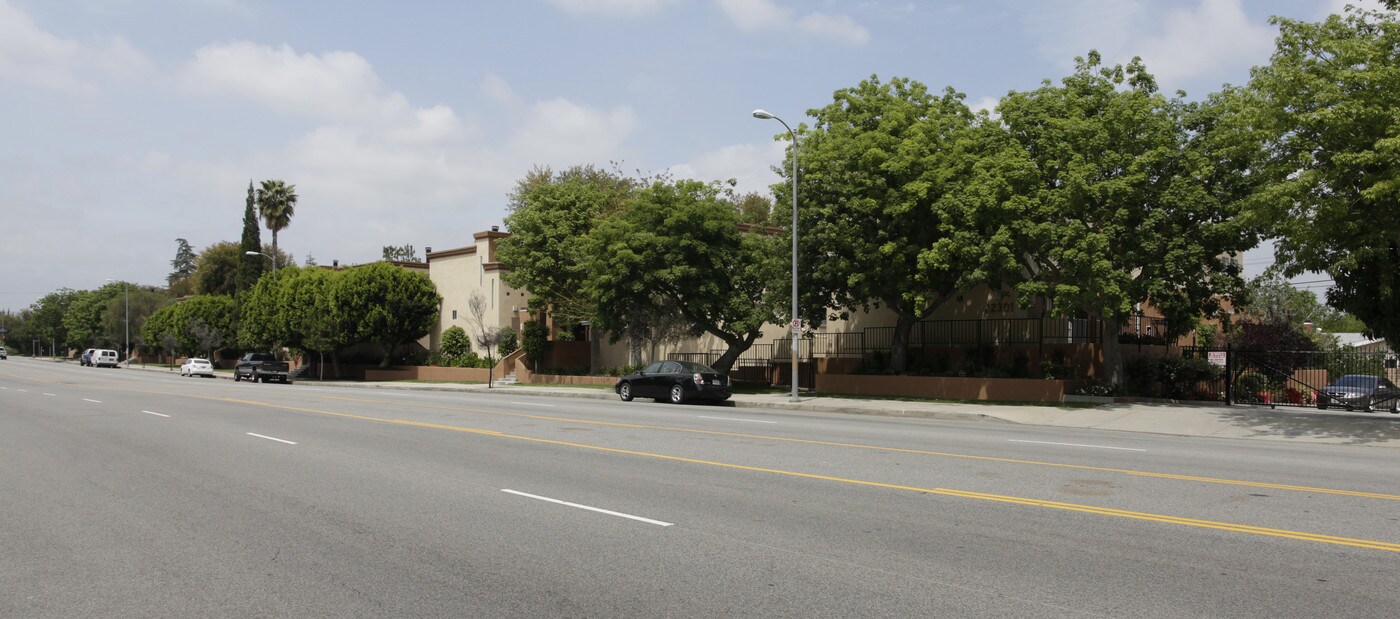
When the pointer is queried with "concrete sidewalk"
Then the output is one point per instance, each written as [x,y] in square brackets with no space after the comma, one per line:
[1241,422]
[1307,425]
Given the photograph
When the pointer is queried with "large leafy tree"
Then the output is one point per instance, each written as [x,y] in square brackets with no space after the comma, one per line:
[1120,214]
[1327,101]
[216,269]
[182,267]
[46,316]
[677,248]
[127,312]
[250,267]
[382,303]
[551,216]
[1271,299]
[83,320]
[188,324]
[906,200]
[277,202]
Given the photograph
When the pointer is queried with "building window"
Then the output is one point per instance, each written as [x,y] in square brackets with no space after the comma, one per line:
[454,314]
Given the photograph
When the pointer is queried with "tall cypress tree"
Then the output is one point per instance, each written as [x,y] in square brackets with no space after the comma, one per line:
[250,268]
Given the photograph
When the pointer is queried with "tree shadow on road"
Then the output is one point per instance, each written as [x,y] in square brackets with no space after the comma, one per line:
[1347,428]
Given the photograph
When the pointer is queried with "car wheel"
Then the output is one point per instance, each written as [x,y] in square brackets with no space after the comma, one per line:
[677,394]
[237,377]
[624,391]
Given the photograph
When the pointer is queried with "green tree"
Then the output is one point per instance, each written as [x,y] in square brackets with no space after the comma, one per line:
[677,247]
[250,268]
[400,253]
[83,320]
[907,200]
[455,344]
[754,208]
[1118,216]
[1327,102]
[534,340]
[46,316]
[263,318]
[131,309]
[182,267]
[217,269]
[208,316]
[277,202]
[386,304]
[550,218]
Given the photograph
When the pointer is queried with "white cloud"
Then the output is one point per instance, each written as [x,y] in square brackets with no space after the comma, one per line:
[1338,7]
[1211,39]
[336,86]
[498,90]
[839,27]
[988,103]
[756,15]
[620,8]
[34,57]
[560,131]
[1215,38]
[751,165]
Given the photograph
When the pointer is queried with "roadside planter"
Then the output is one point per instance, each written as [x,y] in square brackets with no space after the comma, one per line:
[948,387]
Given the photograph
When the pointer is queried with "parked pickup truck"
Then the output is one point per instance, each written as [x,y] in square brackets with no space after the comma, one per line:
[260,367]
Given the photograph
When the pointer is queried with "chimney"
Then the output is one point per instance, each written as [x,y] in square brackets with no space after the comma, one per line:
[1308,326]
[495,228]
[427,250]
[335,264]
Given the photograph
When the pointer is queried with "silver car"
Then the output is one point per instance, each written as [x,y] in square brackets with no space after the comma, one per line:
[1360,392]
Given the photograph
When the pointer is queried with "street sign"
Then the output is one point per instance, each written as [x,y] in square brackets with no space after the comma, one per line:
[797,326]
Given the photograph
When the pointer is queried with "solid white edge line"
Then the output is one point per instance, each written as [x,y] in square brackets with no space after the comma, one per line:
[270,438]
[93,401]
[155,413]
[534,404]
[734,419]
[1075,445]
[592,509]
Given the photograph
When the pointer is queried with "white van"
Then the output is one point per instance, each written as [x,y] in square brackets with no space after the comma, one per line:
[102,357]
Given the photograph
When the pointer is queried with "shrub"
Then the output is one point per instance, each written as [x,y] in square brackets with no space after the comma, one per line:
[534,339]
[455,343]
[508,343]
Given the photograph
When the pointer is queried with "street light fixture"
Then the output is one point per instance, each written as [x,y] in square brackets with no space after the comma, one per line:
[796,322]
[258,253]
[126,294]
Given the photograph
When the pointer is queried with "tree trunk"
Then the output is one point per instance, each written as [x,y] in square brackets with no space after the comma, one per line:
[1112,351]
[899,347]
[274,252]
[735,348]
[595,349]
[388,352]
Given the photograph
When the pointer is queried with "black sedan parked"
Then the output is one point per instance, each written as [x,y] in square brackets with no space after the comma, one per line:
[1360,391]
[677,381]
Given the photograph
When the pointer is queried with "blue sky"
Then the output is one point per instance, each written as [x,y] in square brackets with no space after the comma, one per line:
[129,123]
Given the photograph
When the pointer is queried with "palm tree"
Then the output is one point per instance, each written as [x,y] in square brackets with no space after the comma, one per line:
[277,202]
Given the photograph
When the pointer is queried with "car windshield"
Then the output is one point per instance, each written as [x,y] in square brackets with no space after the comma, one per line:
[688,366]
[199,361]
[1356,381]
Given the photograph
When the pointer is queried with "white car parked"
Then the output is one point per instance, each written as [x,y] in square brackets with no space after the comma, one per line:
[197,367]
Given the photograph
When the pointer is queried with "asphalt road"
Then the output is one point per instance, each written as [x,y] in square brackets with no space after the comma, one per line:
[126,493]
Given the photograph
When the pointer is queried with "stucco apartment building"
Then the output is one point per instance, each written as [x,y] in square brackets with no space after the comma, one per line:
[461,272]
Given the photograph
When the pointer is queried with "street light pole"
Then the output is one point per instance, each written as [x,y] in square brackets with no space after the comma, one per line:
[272,258]
[126,302]
[796,329]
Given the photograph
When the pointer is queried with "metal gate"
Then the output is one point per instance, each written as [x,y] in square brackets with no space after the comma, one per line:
[1297,377]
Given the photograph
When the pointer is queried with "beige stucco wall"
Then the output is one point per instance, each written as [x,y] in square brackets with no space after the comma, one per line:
[459,273]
